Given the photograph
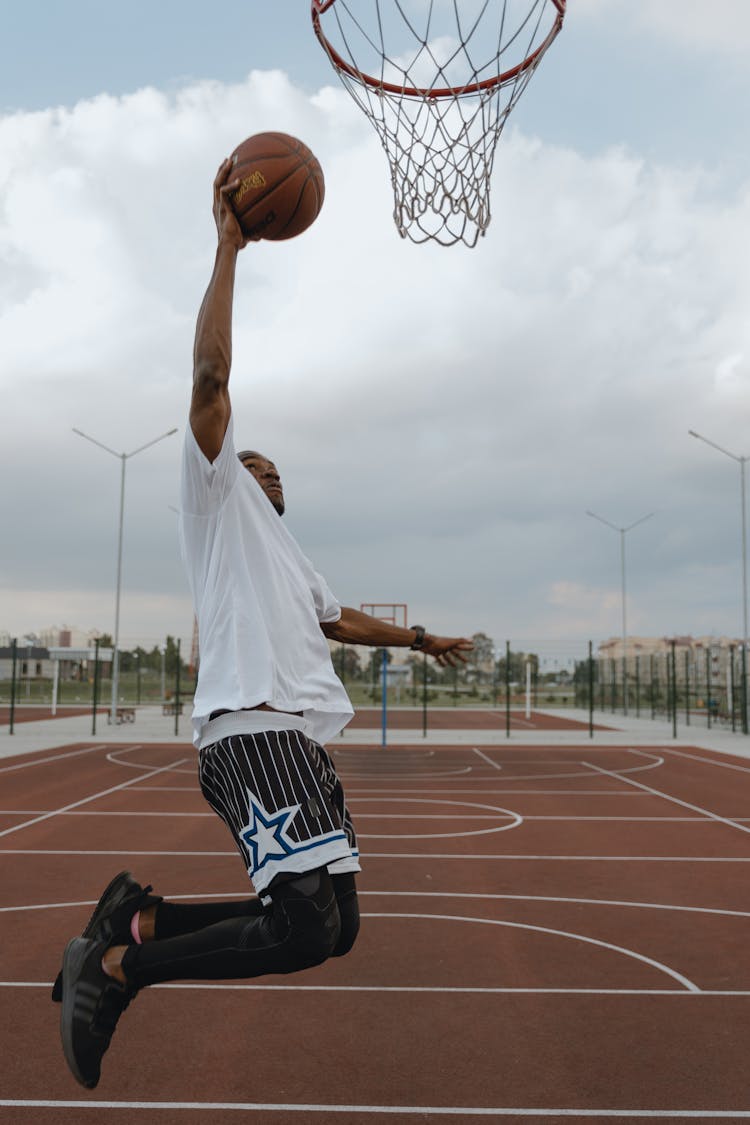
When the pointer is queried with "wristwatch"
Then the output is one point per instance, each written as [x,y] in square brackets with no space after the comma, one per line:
[419,639]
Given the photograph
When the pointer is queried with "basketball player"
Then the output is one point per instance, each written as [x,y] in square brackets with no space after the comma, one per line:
[267,698]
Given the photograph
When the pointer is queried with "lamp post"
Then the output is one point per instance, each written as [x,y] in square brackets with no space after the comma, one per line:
[622,531]
[741,462]
[123,458]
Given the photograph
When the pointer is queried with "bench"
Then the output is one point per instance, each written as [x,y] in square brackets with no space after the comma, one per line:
[122,715]
[171,708]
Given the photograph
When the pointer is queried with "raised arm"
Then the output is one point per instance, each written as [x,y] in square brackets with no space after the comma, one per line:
[210,407]
[357,628]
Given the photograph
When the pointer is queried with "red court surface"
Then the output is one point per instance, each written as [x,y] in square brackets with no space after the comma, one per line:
[367,718]
[464,718]
[35,713]
[548,934]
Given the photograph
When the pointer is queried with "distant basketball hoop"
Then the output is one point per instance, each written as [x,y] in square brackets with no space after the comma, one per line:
[394,613]
[438,81]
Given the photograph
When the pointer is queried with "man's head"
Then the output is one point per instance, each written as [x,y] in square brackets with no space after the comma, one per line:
[267,476]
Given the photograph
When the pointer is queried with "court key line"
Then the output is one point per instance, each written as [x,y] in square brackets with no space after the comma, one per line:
[658,965]
[426,855]
[673,800]
[412,1110]
[481,895]
[54,758]
[663,993]
[163,814]
[83,801]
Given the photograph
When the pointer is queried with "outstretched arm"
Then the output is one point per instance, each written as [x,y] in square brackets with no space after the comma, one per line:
[357,628]
[210,407]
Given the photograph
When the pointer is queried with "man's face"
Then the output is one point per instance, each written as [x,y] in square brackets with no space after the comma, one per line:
[267,476]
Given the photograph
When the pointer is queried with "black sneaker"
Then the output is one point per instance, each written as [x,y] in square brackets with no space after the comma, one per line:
[110,921]
[91,1006]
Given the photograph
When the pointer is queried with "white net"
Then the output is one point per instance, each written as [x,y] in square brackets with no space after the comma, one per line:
[438,78]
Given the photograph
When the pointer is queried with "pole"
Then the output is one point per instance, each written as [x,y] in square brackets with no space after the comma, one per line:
[14,661]
[55,682]
[341,677]
[743,665]
[528,690]
[743,516]
[622,531]
[730,671]
[118,589]
[95,692]
[123,458]
[424,695]
[624,626]
[384,707]
[507,689]
[708,688]
[744,588]
[673,662]
[177,691]
[687,687]
[591,690]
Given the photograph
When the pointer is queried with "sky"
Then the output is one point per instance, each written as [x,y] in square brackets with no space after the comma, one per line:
[443,418]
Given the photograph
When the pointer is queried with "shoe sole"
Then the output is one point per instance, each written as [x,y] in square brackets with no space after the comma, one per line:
[73,958]
[89,932]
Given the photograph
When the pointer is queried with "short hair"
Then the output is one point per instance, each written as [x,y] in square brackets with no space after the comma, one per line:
[248,453]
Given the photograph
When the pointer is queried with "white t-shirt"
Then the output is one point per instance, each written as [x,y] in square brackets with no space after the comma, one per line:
[258,600]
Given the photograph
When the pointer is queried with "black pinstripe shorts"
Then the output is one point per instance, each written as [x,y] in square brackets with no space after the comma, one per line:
[280,796]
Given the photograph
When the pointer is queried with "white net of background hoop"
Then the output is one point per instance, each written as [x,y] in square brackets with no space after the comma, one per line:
[438,78]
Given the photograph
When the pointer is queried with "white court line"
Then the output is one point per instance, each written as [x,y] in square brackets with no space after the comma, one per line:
[83,801]
[364,794]
[486,759]
[54,758]
[673,800]
[514,819]
[135,813]
[427,856]
[217,986]
[658,965]
[463,792]
[708,761]
[481,895]
[413,1110]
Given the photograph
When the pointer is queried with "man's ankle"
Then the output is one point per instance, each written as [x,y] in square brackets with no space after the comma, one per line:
[112,962]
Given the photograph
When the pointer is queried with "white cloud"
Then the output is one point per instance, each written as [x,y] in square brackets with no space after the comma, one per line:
[722,26]
[443,418]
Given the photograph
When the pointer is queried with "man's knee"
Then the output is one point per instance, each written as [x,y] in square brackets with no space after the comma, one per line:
[306,917]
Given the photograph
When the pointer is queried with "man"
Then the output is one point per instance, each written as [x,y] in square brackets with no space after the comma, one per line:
[267,697]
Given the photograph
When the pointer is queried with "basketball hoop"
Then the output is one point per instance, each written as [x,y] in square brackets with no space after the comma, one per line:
[438,95]
[393,613]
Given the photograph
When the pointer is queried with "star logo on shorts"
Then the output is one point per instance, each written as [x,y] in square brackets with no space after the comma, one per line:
[266,834]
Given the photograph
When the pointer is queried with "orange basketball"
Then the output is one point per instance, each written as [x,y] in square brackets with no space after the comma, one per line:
[281,186]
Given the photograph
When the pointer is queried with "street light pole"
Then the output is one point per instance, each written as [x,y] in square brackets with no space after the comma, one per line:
[123,458]
[741,461]
[622,531]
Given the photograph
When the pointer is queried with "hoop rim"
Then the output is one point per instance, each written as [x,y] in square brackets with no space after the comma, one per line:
[320,7]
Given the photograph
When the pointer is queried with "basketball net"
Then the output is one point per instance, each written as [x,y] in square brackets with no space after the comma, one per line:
[437,79]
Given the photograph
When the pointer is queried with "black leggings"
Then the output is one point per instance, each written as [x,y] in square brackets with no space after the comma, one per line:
[309,919]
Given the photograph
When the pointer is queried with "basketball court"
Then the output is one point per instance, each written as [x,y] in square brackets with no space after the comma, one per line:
[555,923]
[551,929]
